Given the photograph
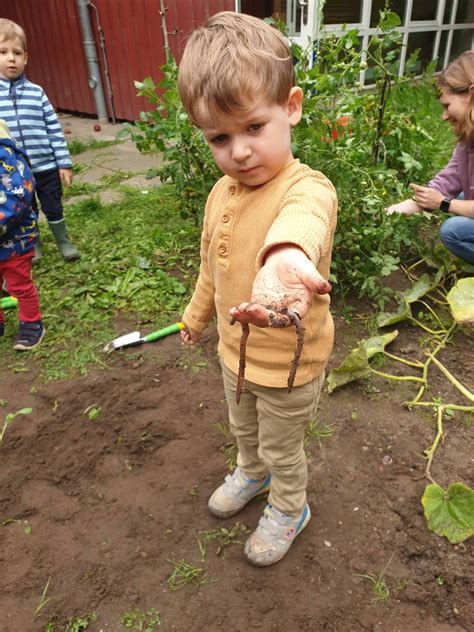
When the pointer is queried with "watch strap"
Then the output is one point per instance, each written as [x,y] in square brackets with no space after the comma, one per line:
[445,204]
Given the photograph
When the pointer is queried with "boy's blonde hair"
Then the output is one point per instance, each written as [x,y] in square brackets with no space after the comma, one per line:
[458,78]
[10,30]
[231,56]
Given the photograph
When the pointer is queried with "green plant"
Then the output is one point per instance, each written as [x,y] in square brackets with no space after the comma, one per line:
[77,146]
[379,585]
[93,412]
[448,512]
[44,600]
[25,523]
[10,417]
[78,624]
[141,621]
[223,537]
[188,161]
[314,431]
[184,573]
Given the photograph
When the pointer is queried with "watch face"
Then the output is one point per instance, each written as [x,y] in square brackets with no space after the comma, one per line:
[445,204]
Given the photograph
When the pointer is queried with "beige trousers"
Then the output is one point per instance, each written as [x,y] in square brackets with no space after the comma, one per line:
[269,426]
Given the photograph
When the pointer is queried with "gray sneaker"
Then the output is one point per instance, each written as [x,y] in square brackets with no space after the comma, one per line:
[274,535]
[235,493]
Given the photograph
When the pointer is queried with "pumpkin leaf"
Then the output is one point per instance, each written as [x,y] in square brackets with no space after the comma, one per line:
[450,513]
[356,364]
[461,301]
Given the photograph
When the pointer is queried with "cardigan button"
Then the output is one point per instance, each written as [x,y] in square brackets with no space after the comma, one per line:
[225,218]
[232,189]
[222,249]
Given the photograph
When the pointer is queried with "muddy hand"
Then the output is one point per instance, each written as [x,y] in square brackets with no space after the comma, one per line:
[287,282]
[281,293]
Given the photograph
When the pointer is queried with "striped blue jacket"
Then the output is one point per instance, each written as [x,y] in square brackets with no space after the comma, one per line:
[33,123]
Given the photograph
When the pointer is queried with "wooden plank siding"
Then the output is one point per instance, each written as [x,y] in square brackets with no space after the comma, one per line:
[134,45]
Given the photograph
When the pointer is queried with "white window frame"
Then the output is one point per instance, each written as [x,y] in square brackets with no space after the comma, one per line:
[408,26]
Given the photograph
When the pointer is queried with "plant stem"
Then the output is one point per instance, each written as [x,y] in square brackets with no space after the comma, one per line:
[430,309]
[401,378]
[452,379]
[416,363]
[468,409]
[432,449]
[430,331]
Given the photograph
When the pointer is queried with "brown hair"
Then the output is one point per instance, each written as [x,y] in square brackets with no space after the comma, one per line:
[11,30]
[458,78]
[230,56]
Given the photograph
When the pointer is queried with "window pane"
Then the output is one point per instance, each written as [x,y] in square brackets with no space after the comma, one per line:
[264,8]
[462,40]
[447,12]
[425,10]
[397,6]
[465,12]
[425,42]
[342,12]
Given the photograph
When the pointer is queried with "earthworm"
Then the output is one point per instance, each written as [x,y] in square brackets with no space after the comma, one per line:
[283,318]
[243,346]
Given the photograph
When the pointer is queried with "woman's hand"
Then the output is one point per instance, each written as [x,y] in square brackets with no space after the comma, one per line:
[427,197]
[407,207]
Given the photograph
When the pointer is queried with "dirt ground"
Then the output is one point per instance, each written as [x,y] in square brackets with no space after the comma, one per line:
[101,506]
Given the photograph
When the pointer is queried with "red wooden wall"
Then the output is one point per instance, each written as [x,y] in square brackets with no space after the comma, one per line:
[133,40]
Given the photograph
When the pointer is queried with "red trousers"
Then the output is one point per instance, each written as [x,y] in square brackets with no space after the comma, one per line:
[17,274]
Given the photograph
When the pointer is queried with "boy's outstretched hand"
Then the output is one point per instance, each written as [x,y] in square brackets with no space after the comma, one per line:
[287,281]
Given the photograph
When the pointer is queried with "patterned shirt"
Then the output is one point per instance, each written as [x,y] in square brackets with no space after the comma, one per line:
[33,123]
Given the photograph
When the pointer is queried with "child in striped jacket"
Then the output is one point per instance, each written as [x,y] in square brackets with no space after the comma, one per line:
[33,123]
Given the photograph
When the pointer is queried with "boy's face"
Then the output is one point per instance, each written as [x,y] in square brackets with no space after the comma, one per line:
[13,58]
[254,144]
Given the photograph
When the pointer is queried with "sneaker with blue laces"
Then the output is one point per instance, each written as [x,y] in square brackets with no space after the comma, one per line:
[30,334]
[236,491]
[274,535]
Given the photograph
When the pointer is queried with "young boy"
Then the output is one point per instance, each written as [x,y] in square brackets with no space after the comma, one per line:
[267,235]
[33,123]
[18,235]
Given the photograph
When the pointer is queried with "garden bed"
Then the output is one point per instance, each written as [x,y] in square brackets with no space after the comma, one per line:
[105,485]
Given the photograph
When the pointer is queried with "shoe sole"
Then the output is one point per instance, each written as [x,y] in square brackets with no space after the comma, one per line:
[233,512]
[19,347]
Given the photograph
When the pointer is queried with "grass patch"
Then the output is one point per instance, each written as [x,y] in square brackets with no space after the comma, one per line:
[184,573]
[136,262]
[77,146]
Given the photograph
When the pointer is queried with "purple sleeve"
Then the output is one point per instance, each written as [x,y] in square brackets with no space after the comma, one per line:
[448,181]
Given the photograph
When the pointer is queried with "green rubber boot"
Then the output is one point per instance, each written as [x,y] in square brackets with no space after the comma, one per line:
[67,250]
[38,251]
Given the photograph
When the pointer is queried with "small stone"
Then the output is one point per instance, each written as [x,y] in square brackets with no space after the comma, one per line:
[327,543]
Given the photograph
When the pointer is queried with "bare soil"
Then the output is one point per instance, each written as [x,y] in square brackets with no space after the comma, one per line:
[101,506]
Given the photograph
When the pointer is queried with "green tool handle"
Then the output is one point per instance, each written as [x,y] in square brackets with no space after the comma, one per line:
[6,302]
[166,331]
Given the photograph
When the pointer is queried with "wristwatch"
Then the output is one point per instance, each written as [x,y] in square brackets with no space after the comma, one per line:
[445,204]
